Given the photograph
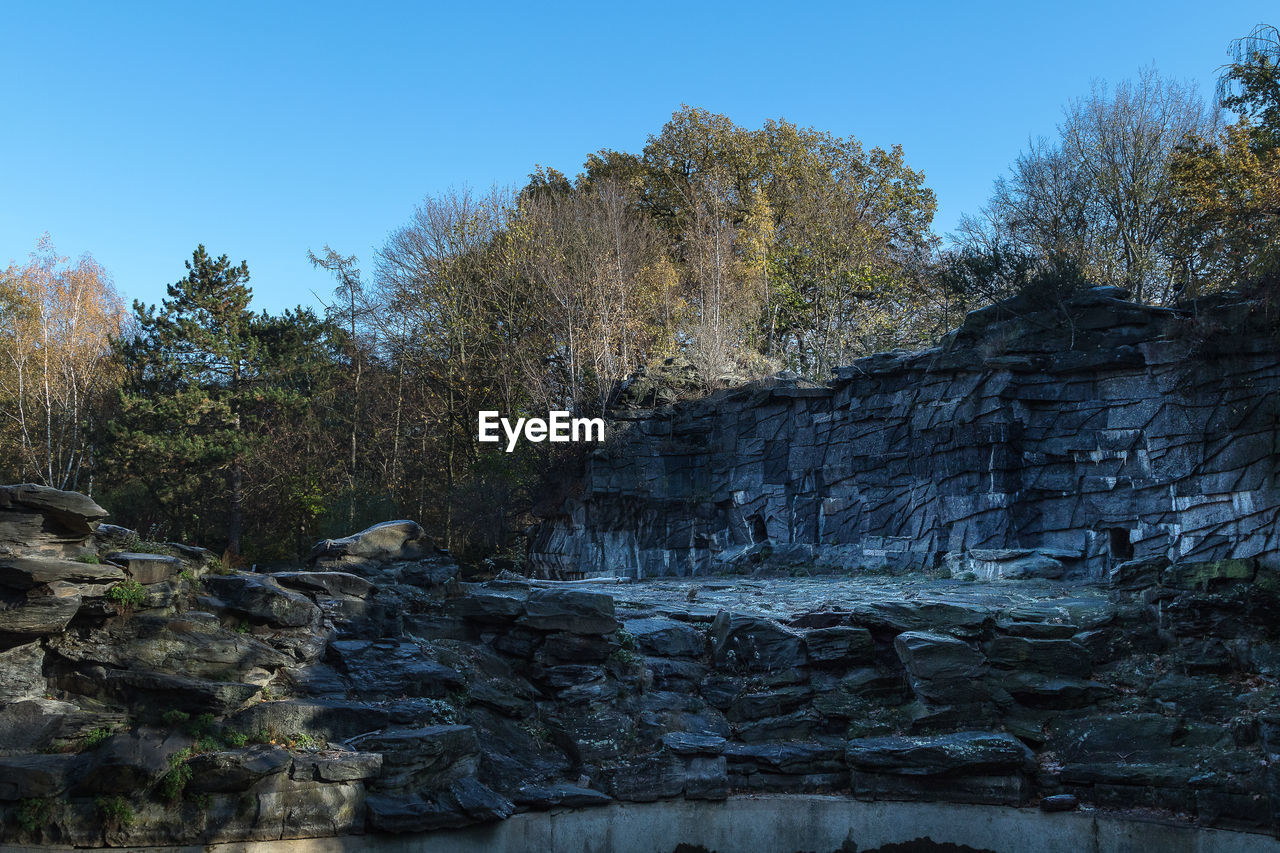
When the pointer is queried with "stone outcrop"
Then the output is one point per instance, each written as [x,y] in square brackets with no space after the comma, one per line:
[211,705]
[1029,444]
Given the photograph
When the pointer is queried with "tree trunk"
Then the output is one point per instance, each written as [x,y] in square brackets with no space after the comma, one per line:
[235,522]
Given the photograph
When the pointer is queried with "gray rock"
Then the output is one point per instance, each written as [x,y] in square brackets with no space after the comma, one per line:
[666,638]
[128,762]
[560,795]
[423,759]
[1059,803]
[27,572]
[141,689]
[41,519]
[690,743]
[937,657]
[750,644]
[839,645]
[491,606]
[332,583]
[391,668]
[569,610]
[386,542]
[1060,657]
[231,770]
[42,610]
[429,573]
[38,776]
[333,765]
[327,719]
[148,568]
[954,754]
[22,673]
[261,599]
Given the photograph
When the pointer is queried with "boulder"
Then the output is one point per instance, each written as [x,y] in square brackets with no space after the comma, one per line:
[129,761]
[22,673]
[382,543]
[260,599]
[929,657]
[428,574]
[839,645]
[42,610]
[1010,563]
[147,568]
[27,572]
[464,802]
[144,689]
[560,795]
[753,644]
[231,770]
[326,719]
[187,645]
[1051,657]
[392,668]
[41,519]
[491,607]
[691,743]
[971,752]
[423,759]
[333,765]
[571,610]
[331,583]
[666,638]
[38,776]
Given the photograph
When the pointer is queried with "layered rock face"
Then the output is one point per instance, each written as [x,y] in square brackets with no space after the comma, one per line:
[1052,444]
[372,691]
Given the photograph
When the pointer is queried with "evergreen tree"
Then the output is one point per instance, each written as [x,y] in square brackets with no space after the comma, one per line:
[206,377]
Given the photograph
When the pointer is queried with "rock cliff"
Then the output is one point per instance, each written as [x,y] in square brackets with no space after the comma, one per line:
[1048,443]
[168,700]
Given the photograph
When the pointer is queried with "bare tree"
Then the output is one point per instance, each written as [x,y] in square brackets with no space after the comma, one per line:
[1100,198]
[56,365]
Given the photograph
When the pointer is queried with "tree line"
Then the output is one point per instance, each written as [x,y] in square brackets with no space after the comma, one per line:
[744,251]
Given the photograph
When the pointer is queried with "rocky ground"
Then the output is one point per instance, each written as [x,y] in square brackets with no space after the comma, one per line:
[150,696]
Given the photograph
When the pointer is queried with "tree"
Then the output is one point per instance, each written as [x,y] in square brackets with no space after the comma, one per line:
[1229,186]
[208,382]
[57,372]
[1100,199]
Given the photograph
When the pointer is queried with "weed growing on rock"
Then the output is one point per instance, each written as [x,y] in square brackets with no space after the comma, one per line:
[135,544]
[115,812]
[34,814]
[174,783]
[174,718]
[96,737]
[128,595]
[91,559]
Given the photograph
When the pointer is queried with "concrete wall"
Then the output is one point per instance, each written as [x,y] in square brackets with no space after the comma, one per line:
[776,824]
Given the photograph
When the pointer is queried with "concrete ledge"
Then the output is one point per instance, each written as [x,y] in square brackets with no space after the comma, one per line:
[774,824]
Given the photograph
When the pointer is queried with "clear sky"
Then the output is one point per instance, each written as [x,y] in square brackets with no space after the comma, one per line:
[134,131]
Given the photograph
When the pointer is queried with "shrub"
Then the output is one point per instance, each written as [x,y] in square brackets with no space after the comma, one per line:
[234,739]
[95,738]
[116,813]
[174,718]
[129,594]
[34,814]
[175,781]
[91,559]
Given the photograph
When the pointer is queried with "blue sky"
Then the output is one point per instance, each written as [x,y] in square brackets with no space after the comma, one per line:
[134,131]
